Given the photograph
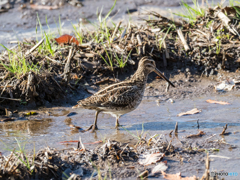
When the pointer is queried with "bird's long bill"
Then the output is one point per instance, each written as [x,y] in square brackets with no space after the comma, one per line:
[162,76]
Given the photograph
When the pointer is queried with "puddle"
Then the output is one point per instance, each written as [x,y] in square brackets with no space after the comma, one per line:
[54,128]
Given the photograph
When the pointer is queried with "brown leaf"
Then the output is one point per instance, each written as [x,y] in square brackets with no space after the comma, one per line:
[193,111]
[147,159]
[177,176]
[217,102]
[77,127]
[67,39]
[34,6]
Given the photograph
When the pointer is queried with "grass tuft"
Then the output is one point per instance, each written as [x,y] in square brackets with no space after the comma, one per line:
[17,63]
[191,13]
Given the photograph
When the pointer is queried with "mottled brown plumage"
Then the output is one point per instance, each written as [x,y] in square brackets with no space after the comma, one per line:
[121,98]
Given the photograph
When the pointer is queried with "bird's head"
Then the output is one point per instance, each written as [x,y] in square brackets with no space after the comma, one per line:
[148,65]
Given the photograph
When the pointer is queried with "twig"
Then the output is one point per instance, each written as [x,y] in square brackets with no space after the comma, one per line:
[224,19]
[180,34]
[210,137]
[54,61]
[67,65]
[34,47]
[176,128]
[115,31]
[169,144]
[167,86]
[13,99]
[144,174]
[6,165]
[224,129]
[57,84]
[139,44]
[82,145]
[206,175]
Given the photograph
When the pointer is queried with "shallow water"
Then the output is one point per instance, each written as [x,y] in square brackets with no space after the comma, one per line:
[49,130]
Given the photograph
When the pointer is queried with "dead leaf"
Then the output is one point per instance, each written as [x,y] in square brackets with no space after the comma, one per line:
[34,6]
[158,169]
[193,111]
[147,159]
[177,176]
[217,102]
[226,85]
[77,127]
[67,39]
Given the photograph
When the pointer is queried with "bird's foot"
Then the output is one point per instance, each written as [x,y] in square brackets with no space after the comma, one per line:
[94,127]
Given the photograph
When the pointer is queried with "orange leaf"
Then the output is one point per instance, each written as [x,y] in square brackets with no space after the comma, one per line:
[193,111]
[177,176]
[217,102]
[34,6]
[67,39]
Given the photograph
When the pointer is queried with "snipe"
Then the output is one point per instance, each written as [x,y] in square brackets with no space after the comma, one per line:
[121,98]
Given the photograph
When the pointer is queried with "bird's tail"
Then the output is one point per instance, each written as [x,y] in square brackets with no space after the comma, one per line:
[76,106]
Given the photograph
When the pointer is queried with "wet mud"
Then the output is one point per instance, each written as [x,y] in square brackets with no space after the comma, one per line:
[157,114]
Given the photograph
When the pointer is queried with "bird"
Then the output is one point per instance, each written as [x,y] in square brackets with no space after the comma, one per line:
[123,97]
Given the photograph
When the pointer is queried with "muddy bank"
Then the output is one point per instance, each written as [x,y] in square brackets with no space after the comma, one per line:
[55,127]
[51,68]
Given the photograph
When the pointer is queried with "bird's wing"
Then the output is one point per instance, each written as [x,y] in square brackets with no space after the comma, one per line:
[116,97]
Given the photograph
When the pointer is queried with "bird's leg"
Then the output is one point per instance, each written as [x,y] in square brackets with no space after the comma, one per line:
[117,122]
[95,122]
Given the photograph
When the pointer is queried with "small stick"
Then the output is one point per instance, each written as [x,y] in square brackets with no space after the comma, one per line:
[176,128]
[57,84]
[224,129]
[169,144]
[115,31]
[139,44]
[144,174]
[198,124]
[13,99]
[167,86]
[180,34]
[83,147]
[35,47]
[67,65]
[171,132]
[6,165]
[53,60]
[166,50]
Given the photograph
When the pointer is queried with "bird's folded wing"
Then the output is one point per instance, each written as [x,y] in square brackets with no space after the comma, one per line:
[117,97]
